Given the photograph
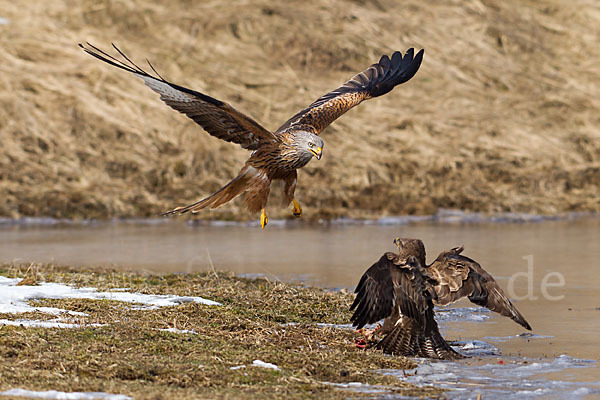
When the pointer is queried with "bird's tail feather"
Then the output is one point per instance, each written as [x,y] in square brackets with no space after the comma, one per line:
[234,188]
[409,339]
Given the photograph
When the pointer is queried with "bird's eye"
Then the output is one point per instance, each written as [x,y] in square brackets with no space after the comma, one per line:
[310,144]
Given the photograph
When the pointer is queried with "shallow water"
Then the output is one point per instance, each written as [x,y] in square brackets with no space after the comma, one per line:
[565,318]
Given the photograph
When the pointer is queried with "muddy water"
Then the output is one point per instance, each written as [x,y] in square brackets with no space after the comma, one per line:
[565,318]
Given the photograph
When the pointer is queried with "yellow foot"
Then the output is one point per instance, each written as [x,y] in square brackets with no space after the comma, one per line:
[263,219]
[297,211]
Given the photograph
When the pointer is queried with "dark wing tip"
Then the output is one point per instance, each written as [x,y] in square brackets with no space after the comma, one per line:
[521,321]
[109,59]
[396,59]
[176,211]
[397,70]
[384,61]
[419,57]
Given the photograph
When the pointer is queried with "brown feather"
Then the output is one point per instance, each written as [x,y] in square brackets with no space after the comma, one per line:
[408,339]
[377,80]
[397,289]
[257,195]
[275,156]
[234,188]
[460,276]
[288,188]
[219,119]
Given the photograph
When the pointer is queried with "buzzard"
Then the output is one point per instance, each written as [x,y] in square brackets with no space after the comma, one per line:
[402,290]
[275,155]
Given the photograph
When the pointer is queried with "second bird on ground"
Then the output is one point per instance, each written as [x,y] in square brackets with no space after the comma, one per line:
[402,290]
[275,155]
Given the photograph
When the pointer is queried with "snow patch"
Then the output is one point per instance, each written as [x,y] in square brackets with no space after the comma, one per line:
[460,314]
[262,364]
[44,324]
[501,380]
[13,298]
[359,387]
[475,348]
[53,394]
[174,330]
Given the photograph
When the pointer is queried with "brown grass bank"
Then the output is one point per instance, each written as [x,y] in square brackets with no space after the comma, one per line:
[129,354]
[503,115]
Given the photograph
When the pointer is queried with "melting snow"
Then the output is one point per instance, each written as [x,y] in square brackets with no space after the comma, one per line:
[262,364]
[53,394]
[13,298]
[174,330]
[501,381]
[43,324]
[359,387]
[459,314]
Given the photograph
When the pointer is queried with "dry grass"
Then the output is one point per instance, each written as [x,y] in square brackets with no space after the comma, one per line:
[129,355]
[503,115]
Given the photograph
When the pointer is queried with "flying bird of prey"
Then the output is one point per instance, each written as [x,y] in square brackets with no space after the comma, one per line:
[275,155]
[402,290]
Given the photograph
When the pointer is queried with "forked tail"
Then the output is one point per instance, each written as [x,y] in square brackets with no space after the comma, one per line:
[234,188]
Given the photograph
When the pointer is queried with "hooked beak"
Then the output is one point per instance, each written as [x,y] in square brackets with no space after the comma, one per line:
[318,152]
[398,242]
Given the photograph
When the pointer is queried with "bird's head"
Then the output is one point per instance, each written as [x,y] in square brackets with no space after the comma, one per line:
[411,247]
[311,144]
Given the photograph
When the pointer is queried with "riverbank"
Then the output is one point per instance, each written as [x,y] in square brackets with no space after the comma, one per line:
[441,217]
[266,338]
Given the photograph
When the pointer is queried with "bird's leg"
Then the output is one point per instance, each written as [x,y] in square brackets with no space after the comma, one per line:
[263,219]
[297,210]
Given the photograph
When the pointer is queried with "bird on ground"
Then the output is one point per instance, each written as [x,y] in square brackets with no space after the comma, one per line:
[402,290]
[275,155]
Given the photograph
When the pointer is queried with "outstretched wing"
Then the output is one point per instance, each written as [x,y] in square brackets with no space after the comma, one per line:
[460,276]
[375,295]
[375,81]
[218,118]
[388,283]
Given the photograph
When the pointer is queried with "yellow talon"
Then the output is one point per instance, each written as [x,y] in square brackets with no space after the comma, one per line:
[297,211]
[263,219]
